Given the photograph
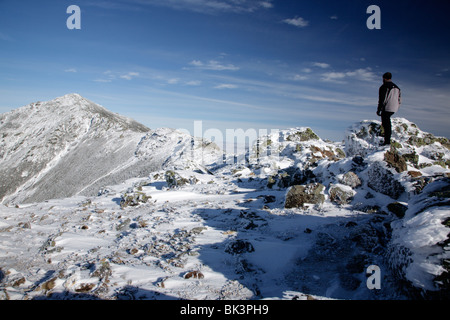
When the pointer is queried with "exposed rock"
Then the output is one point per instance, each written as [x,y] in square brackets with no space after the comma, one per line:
[299,195]
[351,179]
[304,134]
[397,208]
[174,179]
[289,177]
[133,199]
[341,194]
[383,181]
[239,247]
[395,161]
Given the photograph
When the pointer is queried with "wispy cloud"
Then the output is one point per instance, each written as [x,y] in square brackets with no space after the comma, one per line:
[226,86]
[297,22]
[102,80]
[129,75]
[110,76]
[193,83]
[173,81]
[321,65]
[213,65]
[71,70]
[341,77]
[204,6]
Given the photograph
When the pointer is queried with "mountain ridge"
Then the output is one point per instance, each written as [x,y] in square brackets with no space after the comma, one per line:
[69,145]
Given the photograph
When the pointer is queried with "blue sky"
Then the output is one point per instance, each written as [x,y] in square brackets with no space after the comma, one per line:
[268,64]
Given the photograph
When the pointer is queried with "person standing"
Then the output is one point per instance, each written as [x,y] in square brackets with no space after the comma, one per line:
[389,101]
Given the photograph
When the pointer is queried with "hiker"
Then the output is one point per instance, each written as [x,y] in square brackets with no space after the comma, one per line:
[388,103]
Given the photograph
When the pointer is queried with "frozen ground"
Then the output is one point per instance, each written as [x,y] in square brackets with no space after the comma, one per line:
[211,240]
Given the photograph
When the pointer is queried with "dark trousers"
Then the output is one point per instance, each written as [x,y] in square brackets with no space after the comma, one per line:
[386,123]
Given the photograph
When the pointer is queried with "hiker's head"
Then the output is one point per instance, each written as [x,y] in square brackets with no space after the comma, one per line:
[387,76]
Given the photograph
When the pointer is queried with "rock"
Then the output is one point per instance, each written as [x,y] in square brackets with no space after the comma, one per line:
[414,174]
[395,160]
[298,195]
[383,181]
[398,209]
[239,247]
[341,194]
[133,199]
[194,274]
[289,177]
[174,179]
[304,134]
[351,179]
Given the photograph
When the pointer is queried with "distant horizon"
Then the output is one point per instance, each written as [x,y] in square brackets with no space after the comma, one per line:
[252,64]
[237,141]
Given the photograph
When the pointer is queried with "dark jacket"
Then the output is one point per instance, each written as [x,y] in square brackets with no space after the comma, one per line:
[390,97]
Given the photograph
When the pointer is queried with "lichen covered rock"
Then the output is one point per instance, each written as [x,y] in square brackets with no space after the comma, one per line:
[300,195]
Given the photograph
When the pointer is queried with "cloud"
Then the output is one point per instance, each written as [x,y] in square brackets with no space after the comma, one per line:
[173,81]
[102,80]
[321,65]
[213,65]
[297,22]
[226,86]
[210,6]
[299,77]
[71,70]
[129,75]
[341,77]
[193,83]
[333,77]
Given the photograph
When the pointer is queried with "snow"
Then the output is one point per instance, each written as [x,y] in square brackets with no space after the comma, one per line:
[224,233]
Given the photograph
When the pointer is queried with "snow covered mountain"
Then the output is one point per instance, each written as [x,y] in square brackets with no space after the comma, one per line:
[303,218]
[71,145]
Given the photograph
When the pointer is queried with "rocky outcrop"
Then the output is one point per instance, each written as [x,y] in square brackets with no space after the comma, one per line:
[299,195]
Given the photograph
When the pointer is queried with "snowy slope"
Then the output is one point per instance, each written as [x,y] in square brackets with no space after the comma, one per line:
[206,230]
[71,146]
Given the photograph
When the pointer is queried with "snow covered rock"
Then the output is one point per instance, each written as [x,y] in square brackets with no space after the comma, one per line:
[383,181]
[299,195]
[341,194]
[419,250]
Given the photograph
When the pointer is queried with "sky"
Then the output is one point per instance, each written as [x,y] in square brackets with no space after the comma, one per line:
[231,64]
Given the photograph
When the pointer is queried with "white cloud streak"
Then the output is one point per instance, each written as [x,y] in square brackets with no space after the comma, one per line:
[209,6]
[298,22]
[226,86]
[129,75]
[342,77]
[213,65]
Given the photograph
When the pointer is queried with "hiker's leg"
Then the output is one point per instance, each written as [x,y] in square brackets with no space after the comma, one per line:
[386,122]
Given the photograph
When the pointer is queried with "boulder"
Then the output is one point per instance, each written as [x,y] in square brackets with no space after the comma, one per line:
[351,179]
[341,194]
[299,195]
[395,160]
[382,180]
